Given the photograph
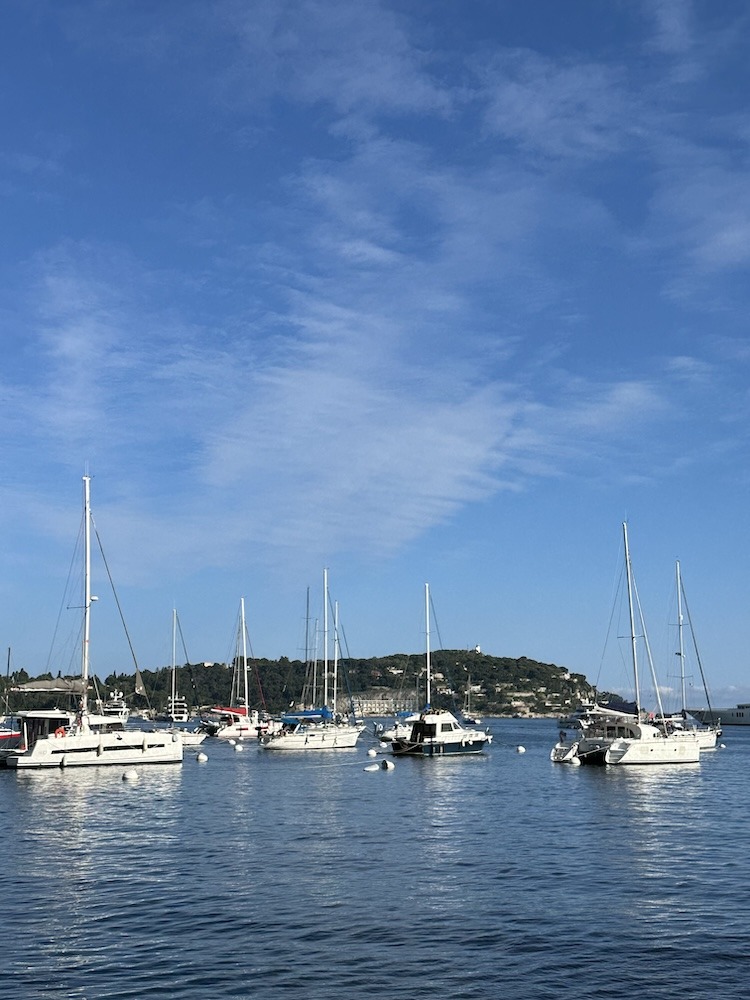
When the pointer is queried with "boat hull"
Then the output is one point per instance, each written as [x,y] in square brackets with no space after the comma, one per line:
[438,748]
[97,749]
[660,751]
[313,738]
[739,716]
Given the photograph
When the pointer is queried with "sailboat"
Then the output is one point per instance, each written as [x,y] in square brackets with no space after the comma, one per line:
[66,739]
[237,721]
[177,708]
[437,733]
[708,733]
[467,715]
[620,738]
[321,728]
[176,712]
[9,732]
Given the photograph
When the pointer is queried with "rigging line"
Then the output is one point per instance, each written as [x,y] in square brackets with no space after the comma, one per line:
[616,588]
[647,646]
[182,638]
[256,671]
[434,618]
[114,592]
[63,605]
[698,655]
[342,668]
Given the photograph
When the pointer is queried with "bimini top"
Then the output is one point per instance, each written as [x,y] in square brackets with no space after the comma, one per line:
[309,715]
[60,685]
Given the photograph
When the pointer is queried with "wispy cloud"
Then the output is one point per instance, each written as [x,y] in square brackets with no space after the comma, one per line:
[376,341]
[574,108]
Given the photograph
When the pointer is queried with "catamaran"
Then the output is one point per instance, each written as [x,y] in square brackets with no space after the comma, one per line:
[621,738]
[52,738]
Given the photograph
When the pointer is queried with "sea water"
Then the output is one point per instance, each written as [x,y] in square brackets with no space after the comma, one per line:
[264,875]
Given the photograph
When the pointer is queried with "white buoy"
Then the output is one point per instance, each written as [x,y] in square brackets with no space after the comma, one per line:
[387,765]
[575,761]
[383,746]
[130,775]
[722,746]
[238,747]
[372,767]
[520,749]
[201,757]
[372,752]
[231,742]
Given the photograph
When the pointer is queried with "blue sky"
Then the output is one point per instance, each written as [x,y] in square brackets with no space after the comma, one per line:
[421,292]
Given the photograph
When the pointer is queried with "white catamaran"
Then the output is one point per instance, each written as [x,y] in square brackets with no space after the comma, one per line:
[620,738]
[51,738]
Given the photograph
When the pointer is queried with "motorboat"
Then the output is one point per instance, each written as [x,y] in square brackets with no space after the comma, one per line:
[114,707]
[440,734]
[436,733]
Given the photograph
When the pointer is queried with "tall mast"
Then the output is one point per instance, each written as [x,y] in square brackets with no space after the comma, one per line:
[325,638]
[629,574]
[86,592]
[680,647]
[427,646]
[174,657]
[335,653]
[307,628]
[244,654]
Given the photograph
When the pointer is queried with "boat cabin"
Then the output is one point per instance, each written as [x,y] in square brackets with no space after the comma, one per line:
[36,725]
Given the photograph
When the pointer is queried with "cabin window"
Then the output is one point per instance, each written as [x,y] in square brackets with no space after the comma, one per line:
[446,727]
[424,731]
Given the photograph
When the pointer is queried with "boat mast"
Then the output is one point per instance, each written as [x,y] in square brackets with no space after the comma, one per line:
[335,654]
[174,658]
[629,574]
[244,655]
[427,641]
[680,647]
[325,638]
[86,592]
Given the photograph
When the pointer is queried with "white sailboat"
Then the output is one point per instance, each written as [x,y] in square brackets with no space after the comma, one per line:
[436,733]
[467,715]
[619,738]
[65,739]
[319,728]
[176,712]
[707,734]
[237,721]
[177,707]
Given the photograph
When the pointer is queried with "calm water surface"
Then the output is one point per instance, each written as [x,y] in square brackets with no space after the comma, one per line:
[262,875]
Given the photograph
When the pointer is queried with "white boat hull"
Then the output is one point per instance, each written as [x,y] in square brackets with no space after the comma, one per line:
[667,750]
[314,738]
[739,716]
[92,748]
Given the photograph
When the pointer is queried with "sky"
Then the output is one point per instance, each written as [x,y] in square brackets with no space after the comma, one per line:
[417,291]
